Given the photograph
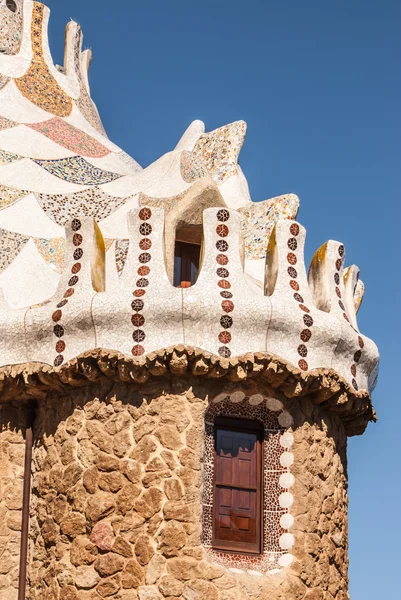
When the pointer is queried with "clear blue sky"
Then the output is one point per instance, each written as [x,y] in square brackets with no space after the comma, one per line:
[319,84]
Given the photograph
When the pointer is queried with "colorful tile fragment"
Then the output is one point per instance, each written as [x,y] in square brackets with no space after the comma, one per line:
[8,157]
[38,85]
[219,150]
[84,102]
[77,170]
[11,244]
[359,294]
[121,253]
[70,137]
[9,196]
[3,81]
[259,219]
[129,161]
[192,167]
[6,123]
[11,28]
[62,208]
[52,251]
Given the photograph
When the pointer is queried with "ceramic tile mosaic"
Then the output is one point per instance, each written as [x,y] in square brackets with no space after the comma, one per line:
[8,157]
[219,150]
[359,294]
[3,81]
[259,219]
[192,167]
[93,202]
[71,137]
[129,161]
[6,123]
[9,196]
[11,28]
[275,445]
[52,251]
[84,102]
[355,356]
[121,253]
[38,84]
[77,170]
[11,245]
[49,118]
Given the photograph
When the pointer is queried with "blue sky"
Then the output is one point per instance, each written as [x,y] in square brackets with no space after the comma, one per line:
[319,84]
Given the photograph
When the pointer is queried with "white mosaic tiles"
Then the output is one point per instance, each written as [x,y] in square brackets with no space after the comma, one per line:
[57,167]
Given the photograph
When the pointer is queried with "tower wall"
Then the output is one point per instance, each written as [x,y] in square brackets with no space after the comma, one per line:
[12,451]
[118,484]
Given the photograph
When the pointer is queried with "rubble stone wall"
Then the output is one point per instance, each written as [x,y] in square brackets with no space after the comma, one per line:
[12,454]
[116,500]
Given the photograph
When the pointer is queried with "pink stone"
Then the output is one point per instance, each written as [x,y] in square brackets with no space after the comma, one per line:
[102,536]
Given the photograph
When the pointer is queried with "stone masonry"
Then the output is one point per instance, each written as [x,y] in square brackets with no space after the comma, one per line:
[115,510]
[12,452]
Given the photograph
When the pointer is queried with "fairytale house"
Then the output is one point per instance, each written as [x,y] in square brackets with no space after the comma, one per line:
[176,390]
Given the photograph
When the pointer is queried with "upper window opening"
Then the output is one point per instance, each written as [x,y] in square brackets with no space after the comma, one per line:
[238,485]
[11,5]
[186,264]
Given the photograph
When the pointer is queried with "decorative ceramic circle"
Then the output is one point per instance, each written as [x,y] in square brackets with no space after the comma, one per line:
[287,521]
[138,320]
[256,399]
[76,225]
[286,500]
[60,346]
[287,440]
[286,560]
[145,244]
[286,480]
[219,398]
[287,459]
[77,239]
[145,229]
[145,214]
[285,419]
[294,229]
[222,230]
[237,397]
[78,254]
[223,215]
[286,541]
[233,570]
[225,337]
[274,404]
[138,350]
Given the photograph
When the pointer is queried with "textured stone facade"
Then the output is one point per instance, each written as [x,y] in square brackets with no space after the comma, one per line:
[12,452]
[116,499]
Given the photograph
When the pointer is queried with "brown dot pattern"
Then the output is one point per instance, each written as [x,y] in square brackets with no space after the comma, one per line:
[358,353]
[305,334]
[144,257]
[227,305]
[57,316]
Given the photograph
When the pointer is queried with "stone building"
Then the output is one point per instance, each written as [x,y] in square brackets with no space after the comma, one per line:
[176,389]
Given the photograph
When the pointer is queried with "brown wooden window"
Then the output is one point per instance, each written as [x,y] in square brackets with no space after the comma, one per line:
[238,484]
[186,264]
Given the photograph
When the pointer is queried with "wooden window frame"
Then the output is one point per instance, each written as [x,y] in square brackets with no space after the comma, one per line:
[186,252]
[246,426]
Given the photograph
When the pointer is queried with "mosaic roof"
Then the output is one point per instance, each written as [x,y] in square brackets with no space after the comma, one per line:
[67,192]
